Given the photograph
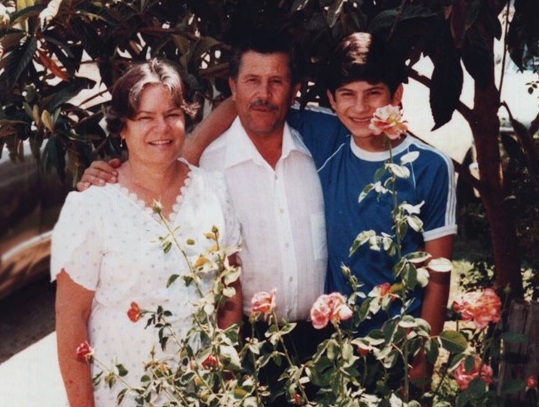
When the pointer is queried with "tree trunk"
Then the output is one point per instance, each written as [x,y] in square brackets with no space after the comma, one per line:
[485,129]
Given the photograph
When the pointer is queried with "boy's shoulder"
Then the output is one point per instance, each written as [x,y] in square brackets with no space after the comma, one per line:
[313,115]
[427,153]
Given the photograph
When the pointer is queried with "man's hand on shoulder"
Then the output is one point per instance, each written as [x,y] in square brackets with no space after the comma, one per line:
[99,173]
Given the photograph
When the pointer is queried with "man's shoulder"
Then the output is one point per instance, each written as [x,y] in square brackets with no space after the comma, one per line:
[213,156]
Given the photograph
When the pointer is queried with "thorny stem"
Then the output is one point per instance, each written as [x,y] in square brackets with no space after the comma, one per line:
[170,395]
[406,355]
[340,340]
[394,196]
[202,324]
[180,248]
[127,385]
[255,372]
[287,355]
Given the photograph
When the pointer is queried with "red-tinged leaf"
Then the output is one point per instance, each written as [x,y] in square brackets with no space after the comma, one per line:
[478,58]
[446,86]
[458,21]
[52,66]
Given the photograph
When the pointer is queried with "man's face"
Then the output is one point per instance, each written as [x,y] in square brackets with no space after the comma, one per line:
[356,102]
[263,92]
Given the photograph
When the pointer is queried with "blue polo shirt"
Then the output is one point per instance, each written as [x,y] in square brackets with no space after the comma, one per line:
[344,171]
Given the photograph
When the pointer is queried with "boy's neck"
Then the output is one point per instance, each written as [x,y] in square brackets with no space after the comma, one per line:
[376,144]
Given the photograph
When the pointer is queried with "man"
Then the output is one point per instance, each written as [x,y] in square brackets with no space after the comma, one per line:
[364,74]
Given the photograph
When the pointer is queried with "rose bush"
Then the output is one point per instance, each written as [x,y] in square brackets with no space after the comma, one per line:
[347,369]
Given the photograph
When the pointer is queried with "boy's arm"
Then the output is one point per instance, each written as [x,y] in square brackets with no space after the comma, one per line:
[434,305]
[208,130]
[437,291]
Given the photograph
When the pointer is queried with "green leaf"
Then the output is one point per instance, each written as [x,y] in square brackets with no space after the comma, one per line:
[20,58]
[365,192]
[120,396]
[171,279]
[409,157]
[409,276]
[400,171]
[361,239]
[334,12]
[122,371]
[477,388]
[453,341]
[65,91]
[380,172]
[415,223]
[432,350]
[348,355]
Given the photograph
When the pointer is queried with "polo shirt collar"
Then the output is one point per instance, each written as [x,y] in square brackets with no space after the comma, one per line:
[379,155]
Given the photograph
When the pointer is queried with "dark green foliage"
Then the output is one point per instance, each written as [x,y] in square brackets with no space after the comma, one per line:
[41,66]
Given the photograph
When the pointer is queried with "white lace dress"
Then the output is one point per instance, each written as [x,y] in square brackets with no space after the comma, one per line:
[108,241]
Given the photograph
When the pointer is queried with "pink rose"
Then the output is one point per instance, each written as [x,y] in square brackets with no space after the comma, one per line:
[388,120]
[84,352]
[330,307]
[340,310]
[480,370]
[321,312]
[263,302]
[481,308]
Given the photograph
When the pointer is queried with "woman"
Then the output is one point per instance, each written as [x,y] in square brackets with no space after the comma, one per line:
[106,251]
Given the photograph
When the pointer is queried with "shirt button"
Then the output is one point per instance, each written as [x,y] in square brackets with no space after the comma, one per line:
[281,210]
[287,245]
[290,279]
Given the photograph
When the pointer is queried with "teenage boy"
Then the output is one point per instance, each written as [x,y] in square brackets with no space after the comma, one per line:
[364,75]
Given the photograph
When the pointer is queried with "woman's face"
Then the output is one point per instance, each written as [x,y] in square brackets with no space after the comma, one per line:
[157,132]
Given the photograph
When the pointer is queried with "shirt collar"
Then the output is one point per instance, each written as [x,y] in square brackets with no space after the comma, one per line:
[378,155]
[240,148]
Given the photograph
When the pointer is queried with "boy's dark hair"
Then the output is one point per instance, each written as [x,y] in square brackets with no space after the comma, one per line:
[265,41]
[365,57]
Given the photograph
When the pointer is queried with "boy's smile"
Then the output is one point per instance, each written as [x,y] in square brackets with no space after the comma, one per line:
[355,104]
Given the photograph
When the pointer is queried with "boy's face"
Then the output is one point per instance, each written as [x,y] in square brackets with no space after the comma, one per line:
[355,104]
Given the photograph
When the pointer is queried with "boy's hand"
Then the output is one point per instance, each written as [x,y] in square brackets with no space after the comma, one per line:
[99,173]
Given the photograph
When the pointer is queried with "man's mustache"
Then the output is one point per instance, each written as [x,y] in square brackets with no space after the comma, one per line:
[264,103]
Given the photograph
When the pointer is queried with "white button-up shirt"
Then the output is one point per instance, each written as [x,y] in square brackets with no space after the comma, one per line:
[281,213]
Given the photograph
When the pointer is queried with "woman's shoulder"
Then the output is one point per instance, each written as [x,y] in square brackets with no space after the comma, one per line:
[93,197]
